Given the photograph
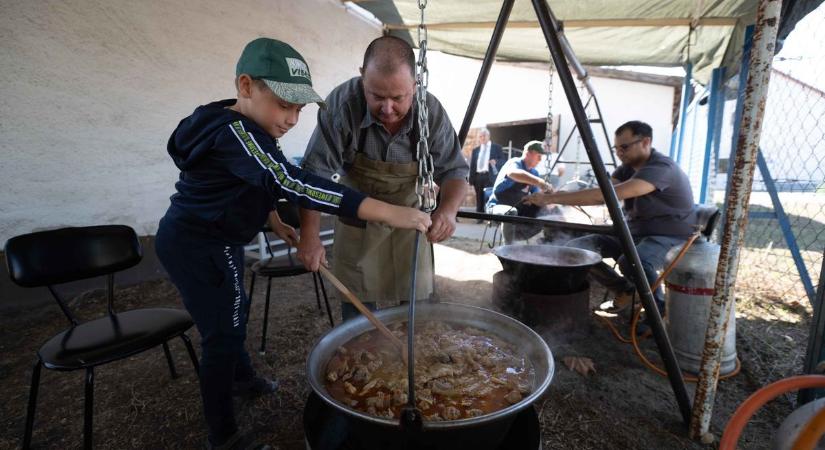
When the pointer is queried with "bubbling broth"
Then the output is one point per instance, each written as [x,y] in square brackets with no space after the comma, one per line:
[460,372]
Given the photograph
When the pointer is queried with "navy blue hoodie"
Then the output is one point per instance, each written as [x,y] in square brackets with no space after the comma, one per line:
[233,172]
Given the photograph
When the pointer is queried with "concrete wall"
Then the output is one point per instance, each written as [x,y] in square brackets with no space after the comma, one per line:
[92,89]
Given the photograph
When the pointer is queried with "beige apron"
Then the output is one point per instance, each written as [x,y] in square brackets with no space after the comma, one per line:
[375,261]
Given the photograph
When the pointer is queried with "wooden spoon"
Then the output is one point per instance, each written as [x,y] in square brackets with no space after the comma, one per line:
[365,311]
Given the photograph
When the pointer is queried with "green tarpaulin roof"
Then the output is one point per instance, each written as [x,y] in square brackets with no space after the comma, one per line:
[601,32]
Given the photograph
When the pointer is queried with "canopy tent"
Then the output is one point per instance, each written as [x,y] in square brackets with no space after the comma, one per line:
[707,33]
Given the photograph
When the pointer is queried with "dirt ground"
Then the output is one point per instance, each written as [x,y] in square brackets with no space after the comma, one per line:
[622,406]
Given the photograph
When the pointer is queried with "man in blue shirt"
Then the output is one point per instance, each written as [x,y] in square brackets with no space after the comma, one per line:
[517,179]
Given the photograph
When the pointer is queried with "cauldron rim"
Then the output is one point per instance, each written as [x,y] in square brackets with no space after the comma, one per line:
[399,313]
[590,258]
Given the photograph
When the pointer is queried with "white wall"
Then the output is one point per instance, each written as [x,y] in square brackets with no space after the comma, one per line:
[92,90]
[517,93]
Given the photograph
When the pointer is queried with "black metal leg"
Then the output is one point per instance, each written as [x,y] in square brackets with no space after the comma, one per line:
[484,236]
[266,316]
[169,360]
[89,409]
[326,301]
[192,355]
[251,287]
[317,297]
[27,434]
[249,297]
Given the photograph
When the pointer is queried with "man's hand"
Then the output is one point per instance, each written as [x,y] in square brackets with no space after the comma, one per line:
[311,253]
[546,186]
[285,232]
[408,218]
[442,228]
[538,199]
[492,163]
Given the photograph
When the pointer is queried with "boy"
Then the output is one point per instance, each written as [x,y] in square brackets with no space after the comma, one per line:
[232,172]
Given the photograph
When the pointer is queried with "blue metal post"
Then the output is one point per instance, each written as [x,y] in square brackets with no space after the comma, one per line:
[673,137]
[740,100]
[717,127]
[785,226]
[686,91]
[690,148]
[715,98]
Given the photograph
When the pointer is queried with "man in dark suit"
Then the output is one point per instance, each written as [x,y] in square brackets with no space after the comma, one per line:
[485,163]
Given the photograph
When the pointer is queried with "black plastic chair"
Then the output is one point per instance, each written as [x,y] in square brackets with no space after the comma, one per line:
[59,256]
[280,268]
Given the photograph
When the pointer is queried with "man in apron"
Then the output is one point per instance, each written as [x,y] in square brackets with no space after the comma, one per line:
[366,138]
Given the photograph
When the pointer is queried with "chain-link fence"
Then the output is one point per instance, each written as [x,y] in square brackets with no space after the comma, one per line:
[785,237]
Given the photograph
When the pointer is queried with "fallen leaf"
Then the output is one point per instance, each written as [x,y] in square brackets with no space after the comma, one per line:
[580,364]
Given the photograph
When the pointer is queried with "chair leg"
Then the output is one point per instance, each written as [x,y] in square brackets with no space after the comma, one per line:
[262,350]
[484,236]
[27,434]
[497,231]
[192,355]
[317,297]
[326,301]
[88,411]
[169,360]
[251,291]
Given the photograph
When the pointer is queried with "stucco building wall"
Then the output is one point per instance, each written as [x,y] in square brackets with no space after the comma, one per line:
[92,90]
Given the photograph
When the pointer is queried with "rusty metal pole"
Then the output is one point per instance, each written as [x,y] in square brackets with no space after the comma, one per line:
[736,217]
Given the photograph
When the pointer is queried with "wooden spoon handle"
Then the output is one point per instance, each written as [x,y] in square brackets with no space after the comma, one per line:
[364,310]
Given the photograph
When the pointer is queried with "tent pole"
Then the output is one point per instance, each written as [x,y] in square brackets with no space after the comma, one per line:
[816,338]
[737,118]
[736,219]
[620,228]
[712,133]
[489,57]
[687,91]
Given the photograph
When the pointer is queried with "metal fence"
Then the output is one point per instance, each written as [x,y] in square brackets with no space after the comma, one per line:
[785,237]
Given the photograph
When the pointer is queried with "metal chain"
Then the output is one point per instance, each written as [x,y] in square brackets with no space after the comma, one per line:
[548,132]
[424,185]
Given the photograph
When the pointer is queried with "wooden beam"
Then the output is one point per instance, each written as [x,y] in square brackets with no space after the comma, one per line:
[640,77]
[586,23]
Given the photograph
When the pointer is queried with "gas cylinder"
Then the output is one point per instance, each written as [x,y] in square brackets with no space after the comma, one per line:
[690,288]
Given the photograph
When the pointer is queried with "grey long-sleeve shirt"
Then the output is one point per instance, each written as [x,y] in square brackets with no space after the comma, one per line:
[334,142]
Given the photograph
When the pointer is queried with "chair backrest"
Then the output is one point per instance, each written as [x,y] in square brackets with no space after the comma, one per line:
[58,256]
[707,216]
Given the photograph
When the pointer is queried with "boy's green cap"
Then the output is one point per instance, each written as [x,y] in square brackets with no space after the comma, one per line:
[281,67]
[534,146]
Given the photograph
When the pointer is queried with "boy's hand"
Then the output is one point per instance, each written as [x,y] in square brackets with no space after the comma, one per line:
[409,218]
[442,228]
[372,210]
[311,253]
[285,232]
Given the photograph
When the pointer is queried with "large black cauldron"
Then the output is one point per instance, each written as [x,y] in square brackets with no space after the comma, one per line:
[547,269]
[478,433]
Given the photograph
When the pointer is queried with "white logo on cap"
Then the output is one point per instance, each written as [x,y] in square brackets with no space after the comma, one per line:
[297,68]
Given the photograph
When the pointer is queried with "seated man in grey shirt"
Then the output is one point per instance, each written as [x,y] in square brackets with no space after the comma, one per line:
[658,204]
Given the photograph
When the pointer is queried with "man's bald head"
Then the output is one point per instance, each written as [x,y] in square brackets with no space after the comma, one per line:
[388,54]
